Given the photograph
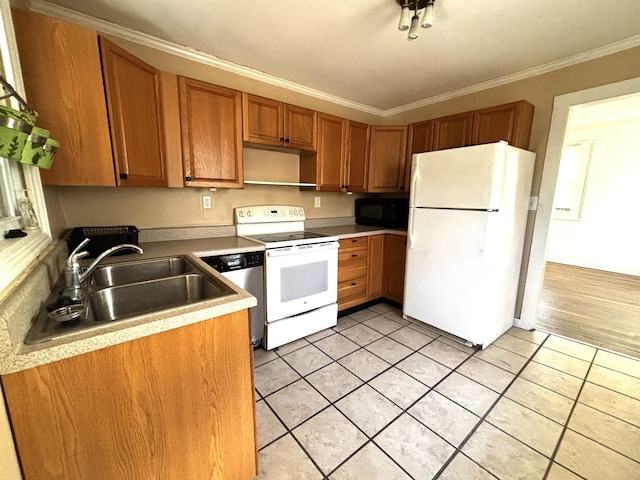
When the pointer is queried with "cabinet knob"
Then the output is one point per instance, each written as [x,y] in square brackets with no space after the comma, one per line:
[188,179]
[123,176]
[354,240]
[282,139]
[286,140]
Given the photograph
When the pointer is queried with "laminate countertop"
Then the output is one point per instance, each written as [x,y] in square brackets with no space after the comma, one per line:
[24,302]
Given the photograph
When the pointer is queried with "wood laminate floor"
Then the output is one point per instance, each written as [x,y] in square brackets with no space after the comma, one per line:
[593,306]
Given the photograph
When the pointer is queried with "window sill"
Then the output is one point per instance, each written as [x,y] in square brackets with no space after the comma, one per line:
[17,254]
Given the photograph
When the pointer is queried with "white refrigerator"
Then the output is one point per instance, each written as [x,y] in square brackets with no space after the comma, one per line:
[467,220]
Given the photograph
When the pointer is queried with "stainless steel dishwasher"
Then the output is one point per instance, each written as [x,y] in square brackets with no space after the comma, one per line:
[246,270]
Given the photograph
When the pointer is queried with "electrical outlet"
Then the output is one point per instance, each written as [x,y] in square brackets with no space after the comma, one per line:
[317,202]
[206,202]
[533,203]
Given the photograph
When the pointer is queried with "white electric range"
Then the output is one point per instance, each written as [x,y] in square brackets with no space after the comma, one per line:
[301,272]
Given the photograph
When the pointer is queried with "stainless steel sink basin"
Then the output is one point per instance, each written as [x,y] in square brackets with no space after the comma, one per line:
[125,301]
[122,292]
[140,271]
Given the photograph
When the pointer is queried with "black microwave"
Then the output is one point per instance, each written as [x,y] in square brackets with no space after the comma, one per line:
[383,212]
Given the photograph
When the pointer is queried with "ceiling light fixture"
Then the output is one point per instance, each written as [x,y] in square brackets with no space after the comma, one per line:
[414,22]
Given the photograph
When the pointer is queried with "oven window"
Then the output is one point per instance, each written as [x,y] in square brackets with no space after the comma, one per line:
[300,281]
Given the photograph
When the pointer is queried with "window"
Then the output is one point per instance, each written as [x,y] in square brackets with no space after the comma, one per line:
[17,181]
[572,180]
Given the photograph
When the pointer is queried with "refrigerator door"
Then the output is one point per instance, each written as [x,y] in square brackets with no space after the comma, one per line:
[450,269]
[465,178]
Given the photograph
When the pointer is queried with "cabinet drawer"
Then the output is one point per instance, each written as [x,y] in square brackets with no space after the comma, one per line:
[354,242]
[352,292]
[345,274]
[352,258]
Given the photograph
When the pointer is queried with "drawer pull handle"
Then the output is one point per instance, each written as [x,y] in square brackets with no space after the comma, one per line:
[354,254]
[354,284]
[354,240]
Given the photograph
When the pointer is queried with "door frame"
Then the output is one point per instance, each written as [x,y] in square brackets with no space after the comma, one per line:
[560,119]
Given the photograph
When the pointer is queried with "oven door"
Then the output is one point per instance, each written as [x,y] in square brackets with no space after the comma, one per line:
[301,278]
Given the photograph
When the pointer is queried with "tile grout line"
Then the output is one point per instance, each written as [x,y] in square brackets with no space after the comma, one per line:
[566,425]
[483,418]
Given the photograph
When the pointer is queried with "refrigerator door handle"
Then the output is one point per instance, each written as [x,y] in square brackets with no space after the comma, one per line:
[414,181]
[410,229]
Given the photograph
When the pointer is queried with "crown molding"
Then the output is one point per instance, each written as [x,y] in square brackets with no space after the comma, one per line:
[110,28]
[135,36]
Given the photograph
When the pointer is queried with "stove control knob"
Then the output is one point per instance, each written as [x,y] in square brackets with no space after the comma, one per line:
[249,213]
[290,212]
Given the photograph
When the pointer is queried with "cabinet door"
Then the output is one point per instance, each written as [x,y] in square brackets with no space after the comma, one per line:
[211,122]
[262,120]
[387,152]
[511,122]
[375,267]
[331,153]
[134,99]
[395,251]
[300,126]
[357,157]
[177,404]
[420,140]
[452,131]
[63,81]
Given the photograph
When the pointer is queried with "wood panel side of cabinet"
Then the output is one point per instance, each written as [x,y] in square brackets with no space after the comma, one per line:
[357,161]
[420,140]
[63,81]
[212,156]
[172,133]
[262,120]
[134,101]
[375,267]
[510,122]
[300,127]
[395,251]
[387,153]
[178,404]
[331,153]
[452,131]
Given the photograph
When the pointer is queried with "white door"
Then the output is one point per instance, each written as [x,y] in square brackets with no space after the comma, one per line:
[447,270]
[468,177]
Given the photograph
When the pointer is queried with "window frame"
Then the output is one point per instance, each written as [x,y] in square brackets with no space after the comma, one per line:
[17,255]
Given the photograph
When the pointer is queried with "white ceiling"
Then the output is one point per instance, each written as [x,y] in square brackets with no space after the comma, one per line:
[352,49]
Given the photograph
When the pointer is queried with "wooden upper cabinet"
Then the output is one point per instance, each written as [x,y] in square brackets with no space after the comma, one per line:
[269,122]
[300,126]
[134,100]
[63,82]
[420,140]
[357,161]
[452,131]
[387,152]
[511,122]
[211,122]
[331,153]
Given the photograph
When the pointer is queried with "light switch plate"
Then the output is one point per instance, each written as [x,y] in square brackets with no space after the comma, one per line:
[206,202]
[533,203]
[317,202]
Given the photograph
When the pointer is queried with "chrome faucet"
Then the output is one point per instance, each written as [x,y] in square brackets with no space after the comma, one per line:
[74,277]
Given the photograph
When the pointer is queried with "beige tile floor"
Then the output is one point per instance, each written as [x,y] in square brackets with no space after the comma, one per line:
[377,397]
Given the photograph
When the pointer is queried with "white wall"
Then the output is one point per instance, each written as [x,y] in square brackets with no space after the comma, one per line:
[608,233]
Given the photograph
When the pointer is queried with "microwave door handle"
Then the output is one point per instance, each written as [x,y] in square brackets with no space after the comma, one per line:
[410,240]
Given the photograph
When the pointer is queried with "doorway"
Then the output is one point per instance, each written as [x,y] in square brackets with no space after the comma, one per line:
[560,121]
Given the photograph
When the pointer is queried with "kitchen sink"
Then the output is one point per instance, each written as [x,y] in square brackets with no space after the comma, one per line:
[140,271]
[125,301]
[123,292]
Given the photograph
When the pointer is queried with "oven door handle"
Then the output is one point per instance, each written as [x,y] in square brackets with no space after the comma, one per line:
[302,249]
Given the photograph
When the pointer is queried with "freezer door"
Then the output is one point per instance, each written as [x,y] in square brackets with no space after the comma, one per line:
[451,279]
[468,177]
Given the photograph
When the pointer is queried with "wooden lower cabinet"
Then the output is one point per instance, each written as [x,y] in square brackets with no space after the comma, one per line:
[370,267]
[177,404]
[375,267]
[352,272]
[395,252]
